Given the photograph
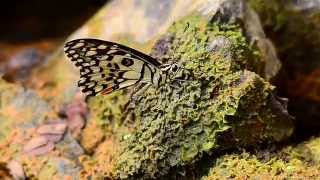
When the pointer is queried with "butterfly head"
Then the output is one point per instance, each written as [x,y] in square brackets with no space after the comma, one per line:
[170,68]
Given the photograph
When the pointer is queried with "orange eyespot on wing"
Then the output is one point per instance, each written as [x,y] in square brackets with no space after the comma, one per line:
[107,91]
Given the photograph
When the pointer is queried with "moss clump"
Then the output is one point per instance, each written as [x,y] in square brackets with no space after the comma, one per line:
[292,162]
[291,31]
[176,125]
[246,166]
[108,110]
[272,13]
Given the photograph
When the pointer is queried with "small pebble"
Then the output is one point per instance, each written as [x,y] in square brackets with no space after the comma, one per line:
[35,143]
[16,170]
[75,124]
[53,137]
[55,127]
[40,150]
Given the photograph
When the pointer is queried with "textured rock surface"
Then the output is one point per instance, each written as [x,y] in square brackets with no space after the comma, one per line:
[226,103]
[221,105]
[294,28]
[292,162]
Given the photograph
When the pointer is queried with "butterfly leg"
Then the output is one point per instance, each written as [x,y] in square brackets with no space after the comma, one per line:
[136,92]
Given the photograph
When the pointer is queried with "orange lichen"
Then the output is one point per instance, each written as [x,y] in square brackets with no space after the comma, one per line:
[102,161]
[92,135]
[19,115]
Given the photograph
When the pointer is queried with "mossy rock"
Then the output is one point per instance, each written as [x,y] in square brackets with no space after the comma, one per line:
[294,27]
[291,162]
[220,105]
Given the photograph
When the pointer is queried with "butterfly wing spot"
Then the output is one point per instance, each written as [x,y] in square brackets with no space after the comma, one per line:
[99,88]
[112,51]
[78,45]
[94,63]
[102,46]
[107,91]
[91,53]
[85,64]
[127,83]
[72,52]
[109,78]
[102,58]
[89,93]
[127,62]
[84,71]
[66,48]
[81,82]
[116,66]
[96,69]
[91,84]
[79,61]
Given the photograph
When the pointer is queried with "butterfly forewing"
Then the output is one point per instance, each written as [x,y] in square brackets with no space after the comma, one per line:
[107,66]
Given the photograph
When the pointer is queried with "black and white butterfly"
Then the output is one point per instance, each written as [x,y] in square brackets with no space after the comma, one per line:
[107,66]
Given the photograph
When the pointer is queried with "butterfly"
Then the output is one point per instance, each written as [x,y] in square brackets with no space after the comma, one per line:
[107,66]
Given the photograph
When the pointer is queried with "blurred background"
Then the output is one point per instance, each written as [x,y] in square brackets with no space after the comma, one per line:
[33,29]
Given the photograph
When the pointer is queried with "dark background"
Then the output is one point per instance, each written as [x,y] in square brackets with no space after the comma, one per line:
[31,20]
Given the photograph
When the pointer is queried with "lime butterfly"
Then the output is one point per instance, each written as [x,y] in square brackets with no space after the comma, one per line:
[107,66]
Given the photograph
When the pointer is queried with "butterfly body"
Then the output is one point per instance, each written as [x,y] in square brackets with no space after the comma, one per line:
[107,66]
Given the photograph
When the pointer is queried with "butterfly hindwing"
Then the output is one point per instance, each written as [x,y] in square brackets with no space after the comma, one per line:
[107,66]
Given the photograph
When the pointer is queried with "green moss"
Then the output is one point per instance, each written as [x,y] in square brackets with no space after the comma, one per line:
[308,151]
[108,110]
[290,30]
[49,170]
[292,162]
[272,13]
[177,125]
[247,166]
